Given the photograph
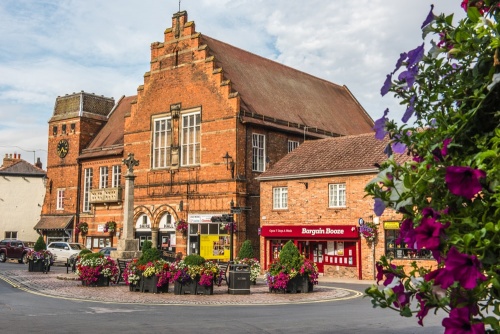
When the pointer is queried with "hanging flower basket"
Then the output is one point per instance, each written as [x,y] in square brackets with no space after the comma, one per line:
[369,231]
[110,226]
[82,228]
[181,226]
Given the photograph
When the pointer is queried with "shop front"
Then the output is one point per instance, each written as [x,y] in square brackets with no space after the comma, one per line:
[329,246]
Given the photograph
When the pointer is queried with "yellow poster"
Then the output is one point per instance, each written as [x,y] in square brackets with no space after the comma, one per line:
[214,247]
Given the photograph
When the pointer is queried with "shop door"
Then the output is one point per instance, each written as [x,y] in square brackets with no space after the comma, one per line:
[318,249]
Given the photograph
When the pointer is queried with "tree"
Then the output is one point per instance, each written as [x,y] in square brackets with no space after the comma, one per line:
[39,244]
[246,250]
[449,191]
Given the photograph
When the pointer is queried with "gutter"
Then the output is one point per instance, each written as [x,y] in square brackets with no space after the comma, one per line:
[318,174]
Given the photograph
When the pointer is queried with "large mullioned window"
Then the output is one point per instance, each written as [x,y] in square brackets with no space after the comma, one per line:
[162,141]
[258,152]
[190,141]
[87,185]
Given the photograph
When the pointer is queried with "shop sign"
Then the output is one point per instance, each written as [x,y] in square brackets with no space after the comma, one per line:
[309,231]
[391,225]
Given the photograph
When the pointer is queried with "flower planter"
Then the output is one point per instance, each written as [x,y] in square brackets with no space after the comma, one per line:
[101,281]
[299,283]
[205,290]
[36,266]
[189,287]
[149,284]
[135,287]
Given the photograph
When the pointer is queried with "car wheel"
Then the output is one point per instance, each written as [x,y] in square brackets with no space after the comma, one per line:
[2,257]
[24,258]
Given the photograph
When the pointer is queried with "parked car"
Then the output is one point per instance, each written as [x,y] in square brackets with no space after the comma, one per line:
[107,250]
[63,250]
[15,249]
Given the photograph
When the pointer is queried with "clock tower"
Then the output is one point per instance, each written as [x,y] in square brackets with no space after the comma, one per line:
[75,121]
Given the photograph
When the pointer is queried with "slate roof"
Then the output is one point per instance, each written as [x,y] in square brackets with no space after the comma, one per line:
[339,155]
[109,140]
[276,91]
[22,168]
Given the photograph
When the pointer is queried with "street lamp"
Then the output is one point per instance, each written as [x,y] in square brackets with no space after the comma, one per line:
[229,164]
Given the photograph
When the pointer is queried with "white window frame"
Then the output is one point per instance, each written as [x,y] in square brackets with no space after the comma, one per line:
[337,195]
[117,173]
[162,142]
[280,198]
[103,177]
[87,186]
[292,145]
[258,152]
[60,199]
[191,138]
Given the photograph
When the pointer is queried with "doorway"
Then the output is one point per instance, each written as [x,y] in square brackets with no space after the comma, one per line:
[314,251]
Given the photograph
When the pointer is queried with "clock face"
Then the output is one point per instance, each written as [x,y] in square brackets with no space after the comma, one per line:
[62,148]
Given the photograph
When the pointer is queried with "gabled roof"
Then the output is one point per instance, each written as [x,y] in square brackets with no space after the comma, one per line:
[270,89]
[332,156]
[22,168]
[109,140]
[53,223]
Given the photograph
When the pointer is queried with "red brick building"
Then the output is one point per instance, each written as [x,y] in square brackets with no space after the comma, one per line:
[315,197]
[207,120]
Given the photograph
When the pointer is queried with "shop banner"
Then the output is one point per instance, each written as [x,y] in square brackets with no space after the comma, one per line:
[309,231]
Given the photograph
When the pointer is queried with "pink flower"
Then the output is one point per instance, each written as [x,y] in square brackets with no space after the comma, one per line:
[459,323]
[464,268]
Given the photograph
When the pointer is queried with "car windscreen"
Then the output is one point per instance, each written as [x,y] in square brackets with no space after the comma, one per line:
[29,244]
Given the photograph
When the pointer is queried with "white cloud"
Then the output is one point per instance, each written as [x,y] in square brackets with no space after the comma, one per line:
[52,47]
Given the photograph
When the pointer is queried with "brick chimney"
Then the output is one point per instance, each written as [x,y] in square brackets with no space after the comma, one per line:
[9,160]
[38,163]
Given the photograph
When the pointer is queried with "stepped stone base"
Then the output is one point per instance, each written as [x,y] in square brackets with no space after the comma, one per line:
[127,249]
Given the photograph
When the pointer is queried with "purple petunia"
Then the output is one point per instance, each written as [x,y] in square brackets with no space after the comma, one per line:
[464,268]
[409,111]
[464,181]
[429,18]
[379,126]
[387,85]
[378,207]
[407,233]
[459,323]
[429,233]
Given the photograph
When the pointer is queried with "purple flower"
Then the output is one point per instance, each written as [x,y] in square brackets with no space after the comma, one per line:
[403,298]
[407,233]
[464,181]
[415,55]
[441,277]
[379,126]
[459,323]
[379,207]
[387,85]
[444,150]
[424,309]
[409,76]
[429,233]
[464,268]
[429,18]
[380,271]
[409,111]
[400,61]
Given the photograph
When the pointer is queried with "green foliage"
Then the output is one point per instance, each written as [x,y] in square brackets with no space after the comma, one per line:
[290,256]
[89,255]
[40,244]
[149,255]
[85,251]
[147,245]
[246,250]
[194,260]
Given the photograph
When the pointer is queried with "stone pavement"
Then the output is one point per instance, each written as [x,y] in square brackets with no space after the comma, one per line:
[58,283]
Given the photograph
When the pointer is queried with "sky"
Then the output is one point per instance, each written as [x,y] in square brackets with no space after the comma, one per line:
[50,48]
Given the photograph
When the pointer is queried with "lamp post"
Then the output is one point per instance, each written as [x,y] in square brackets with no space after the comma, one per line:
[231,229]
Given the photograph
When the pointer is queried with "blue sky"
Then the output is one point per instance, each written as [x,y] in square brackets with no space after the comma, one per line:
[50,48]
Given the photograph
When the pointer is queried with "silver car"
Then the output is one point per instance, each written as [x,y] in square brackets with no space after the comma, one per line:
[63,250]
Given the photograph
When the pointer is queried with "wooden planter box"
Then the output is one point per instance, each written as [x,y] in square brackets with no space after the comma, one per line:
[36,266]
[205,290]
[149,284]
[101,281]
[295,285]
[190,287]
[135,287]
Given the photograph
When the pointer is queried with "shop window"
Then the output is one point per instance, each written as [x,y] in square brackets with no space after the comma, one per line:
[401,250]
[336,194]
[98,242]
[276,246]
[280,198]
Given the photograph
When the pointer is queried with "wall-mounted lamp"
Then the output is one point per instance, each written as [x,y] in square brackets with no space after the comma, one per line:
[229,163]
[306,184]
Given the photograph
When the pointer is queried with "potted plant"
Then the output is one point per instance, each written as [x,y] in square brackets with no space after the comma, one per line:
[39,258]
[95,269]
[195,275]
[82,228]
[155,272]
[292,272]
[132,275]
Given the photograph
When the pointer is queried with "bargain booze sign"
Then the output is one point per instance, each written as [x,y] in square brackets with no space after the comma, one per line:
[308,231]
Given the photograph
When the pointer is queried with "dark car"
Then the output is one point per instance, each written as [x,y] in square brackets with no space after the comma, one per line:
[15,249]
[107,250]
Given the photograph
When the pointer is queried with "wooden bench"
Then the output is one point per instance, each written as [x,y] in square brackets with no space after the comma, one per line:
[122,265]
